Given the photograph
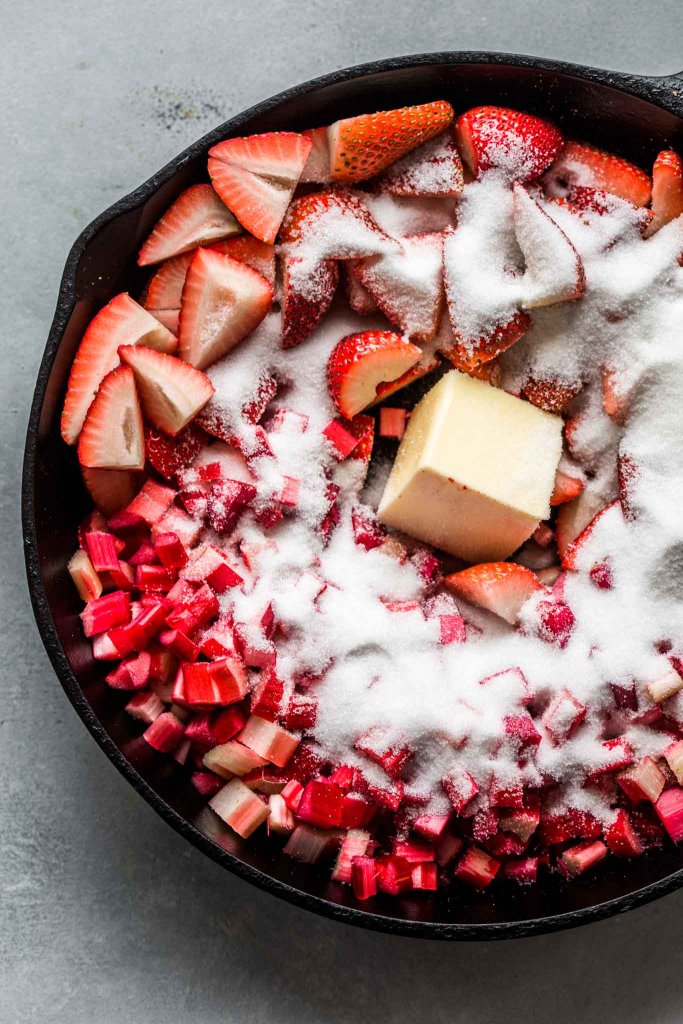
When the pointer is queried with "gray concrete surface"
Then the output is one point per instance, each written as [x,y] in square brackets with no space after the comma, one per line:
[106,916]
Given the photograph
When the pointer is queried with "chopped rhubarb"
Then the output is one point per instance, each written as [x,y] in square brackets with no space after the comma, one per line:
[583,856]
[165,732]
[354,844]
[321,804]
[269,740]
[644,781]
[363,877]
[239,808]
[477,868]
[669,808]
[82,572]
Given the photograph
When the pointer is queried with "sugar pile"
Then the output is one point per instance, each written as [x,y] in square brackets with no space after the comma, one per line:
[381,666]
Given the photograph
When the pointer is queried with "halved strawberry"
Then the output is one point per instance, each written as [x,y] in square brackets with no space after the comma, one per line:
[667,190]
[308,289]
[499,587]
[171,392]
[566,488]
[111,489]
[169,455]
[317,167]
[427,364]
[554,271]
[581,164]
[360,362]
[164,290]
[521,144]
[363,146]
[256,254]
[112,435]
[468,354]
[223,301]
[337,225]
[256,176]
[573,517]
[549,393]
[196,217]
[434,169]
[571,551]
[121,322]
[360,299]
[408,285]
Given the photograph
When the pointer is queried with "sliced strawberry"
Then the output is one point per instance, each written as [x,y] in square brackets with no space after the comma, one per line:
[169,455]
[111,489]
[196,217]
[550,394]
[554,271]
[584,165]
[256,176]
[360,299]
[363,428]
[570,552]
[258,255]
[521,144]
[112,435]
[171,392]
[363,146]
[408,285]
[223,301]
[499,587]
[308,289]
[435,169]
[567,488]
[427,364]
[317,167]
[337,224]
[121,322]
[164,291]
[667,190]
[573,517]
[361,362]
[614,401]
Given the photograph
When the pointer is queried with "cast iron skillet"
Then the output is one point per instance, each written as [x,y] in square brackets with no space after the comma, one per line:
[633,116]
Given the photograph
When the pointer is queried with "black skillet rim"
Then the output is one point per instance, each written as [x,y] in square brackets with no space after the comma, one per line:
[664,92]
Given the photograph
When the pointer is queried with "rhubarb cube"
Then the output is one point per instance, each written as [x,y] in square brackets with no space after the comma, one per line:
[364,877]
[321,804]
[563,716]
[269,740]
[644,781]
[477,868]
[239,808]
[82,572]
[583,856]
[669,809]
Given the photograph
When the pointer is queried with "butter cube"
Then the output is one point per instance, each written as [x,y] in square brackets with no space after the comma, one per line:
[475,470]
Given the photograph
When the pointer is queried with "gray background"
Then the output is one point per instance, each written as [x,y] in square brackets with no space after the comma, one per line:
[106,915]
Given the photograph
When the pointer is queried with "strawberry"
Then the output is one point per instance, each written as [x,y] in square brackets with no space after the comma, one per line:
[566,488]
[363,146]
[426,365]
[338,225]
[256,176]
[308,289]
[549,394]
[554,271]
[196,217]
[171,392]
[164,291]
[258,255]
[584,165]
[572,517]
[499,587]
[467,354]
[169,455]
[111,489]
[614,401]
[360,299]
[362,428]
[408,285]
[570,553]
[317,166]
[223,301]
[433,170]
[496,137]
[121,322]
[667,189]
[360,362]
[112,435]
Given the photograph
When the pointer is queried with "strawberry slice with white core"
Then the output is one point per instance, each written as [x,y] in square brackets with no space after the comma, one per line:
[256,177]
[111,489]
[554,271]
[171,392]
[112,435]
[196,217]
[308,288]
[500,587]
[333,225]
[360,362]
[584,165]
[433,170]
[165,289]
[363,146]
[256,254]
[317,167]
[667,190]
[223,301]
[121,322]
[408,285]
[516,143]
